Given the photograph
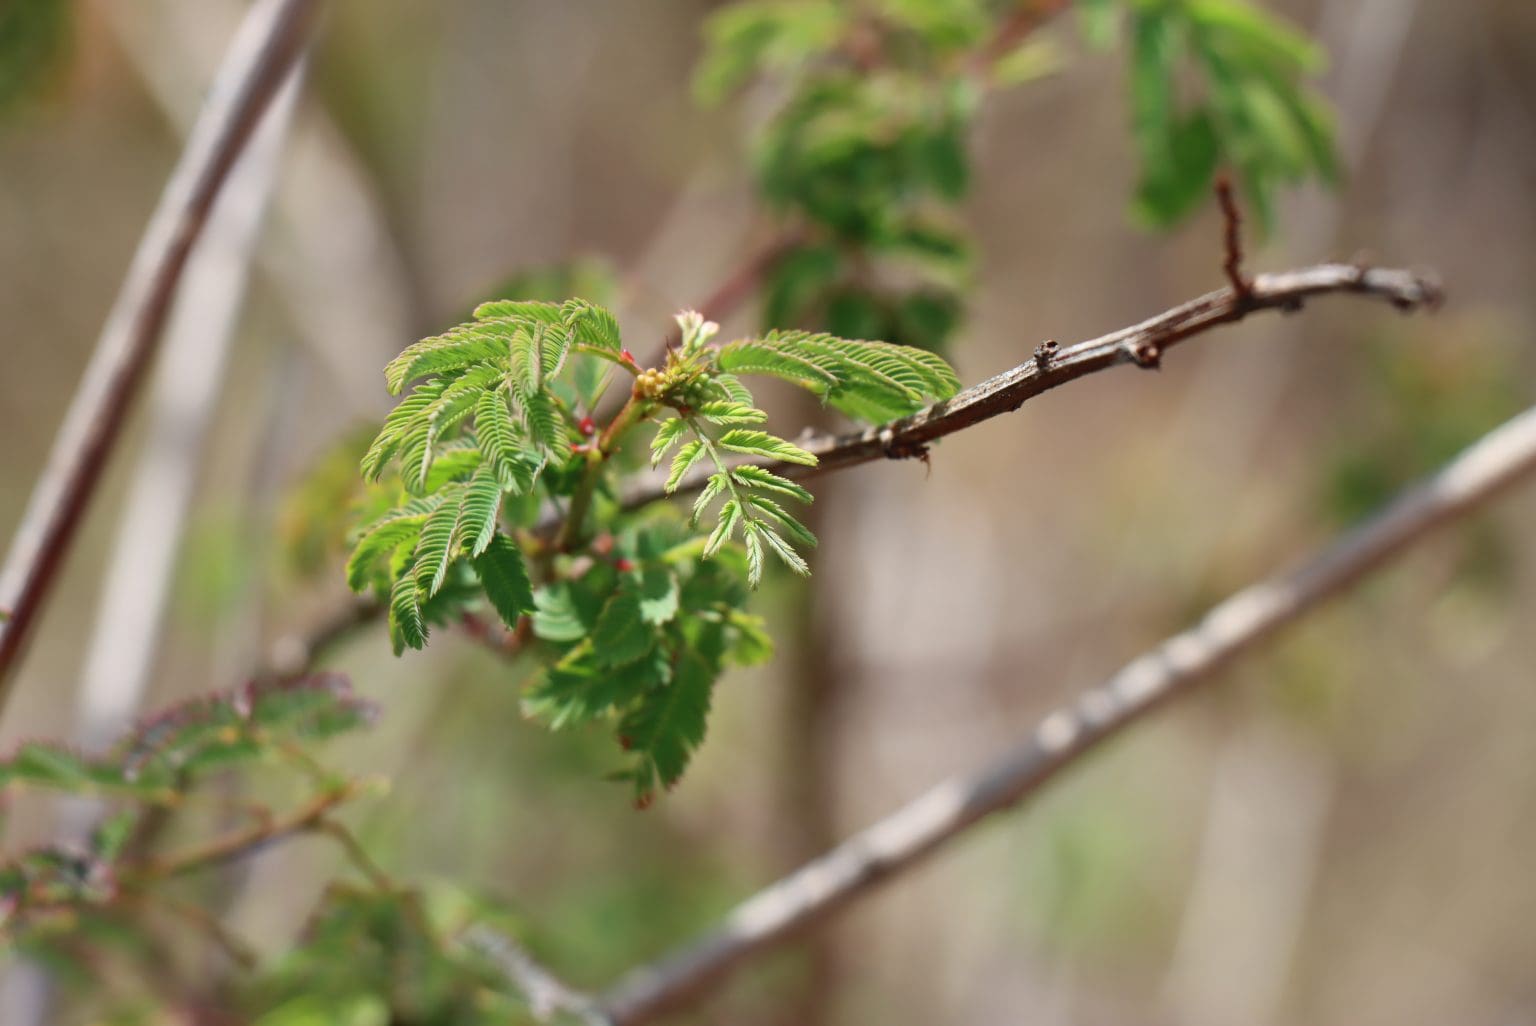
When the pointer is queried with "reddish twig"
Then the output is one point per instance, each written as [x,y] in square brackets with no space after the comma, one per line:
[735,288]
[307,818]
[1014,29]
[1242,288]
[265,49]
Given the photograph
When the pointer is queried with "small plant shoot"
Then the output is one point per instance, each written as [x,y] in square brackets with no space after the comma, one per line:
[505,494]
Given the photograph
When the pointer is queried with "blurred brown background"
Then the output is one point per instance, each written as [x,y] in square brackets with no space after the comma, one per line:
[1342,832]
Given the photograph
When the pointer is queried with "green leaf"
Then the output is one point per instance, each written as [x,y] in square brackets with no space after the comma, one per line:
[556,616]
[404,420]
[658,595]
[47,765]
[381,538]
[595,328]
[1100,22]
[777,513]
[544,421]
[751,644]
[667,724]
[575,690]
[439,543]
[747,38]
[760,443]
[479,509]
[686,457]
[464,346]
[554,347]
[1179,175]
[754,543]
[730,386]
[711,490]
[406,627]
[621,634]
[748,356]
[525,312]
[728,413]
[504,576]
[730,518]
[787,555]
[761,478]
[858,377]
[501,440]
[1257,37]
[111,836]
[668,433]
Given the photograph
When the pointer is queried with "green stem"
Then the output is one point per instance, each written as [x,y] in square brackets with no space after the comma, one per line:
[633,411]
[720,465]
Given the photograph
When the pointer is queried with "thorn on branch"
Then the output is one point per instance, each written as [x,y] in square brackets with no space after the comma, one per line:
[898,450]
[1146,355]
[1242,288]
[1044,352]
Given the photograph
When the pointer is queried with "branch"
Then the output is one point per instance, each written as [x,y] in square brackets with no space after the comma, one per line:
[1026,19]
[266,47]
[1232,239]
[1052,365]
[309,817]
[1173,668]
[547,994]
[1141,344]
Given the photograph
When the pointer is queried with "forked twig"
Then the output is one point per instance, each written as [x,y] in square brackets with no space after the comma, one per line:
[1141,344]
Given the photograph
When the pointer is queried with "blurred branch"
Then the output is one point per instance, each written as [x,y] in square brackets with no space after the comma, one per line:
[1232,239]
[188,380]
[1027,17]
[547,994]
[1142,345]
[898,842]
[329,248]
[270,40]
[308,818]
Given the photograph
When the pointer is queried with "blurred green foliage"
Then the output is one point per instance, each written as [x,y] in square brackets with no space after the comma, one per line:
[34,37]
[874,104]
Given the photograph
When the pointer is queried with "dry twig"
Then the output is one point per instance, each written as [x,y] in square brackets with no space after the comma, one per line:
[270,40]
[1142,344]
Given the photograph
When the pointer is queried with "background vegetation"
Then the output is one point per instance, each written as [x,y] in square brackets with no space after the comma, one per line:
[1342,837]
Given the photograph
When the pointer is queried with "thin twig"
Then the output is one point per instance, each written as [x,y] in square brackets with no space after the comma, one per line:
[1232,239]
[238,950]
[1026,19]
[1254,615]
[238,844]
[357,855]
[1142,345]
[294,654]
[547,994]
[270,40]
[735,288]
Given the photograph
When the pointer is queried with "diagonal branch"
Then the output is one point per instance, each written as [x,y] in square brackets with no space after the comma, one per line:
[546,993]
[1141,344]
[1246,619]
[265,49]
